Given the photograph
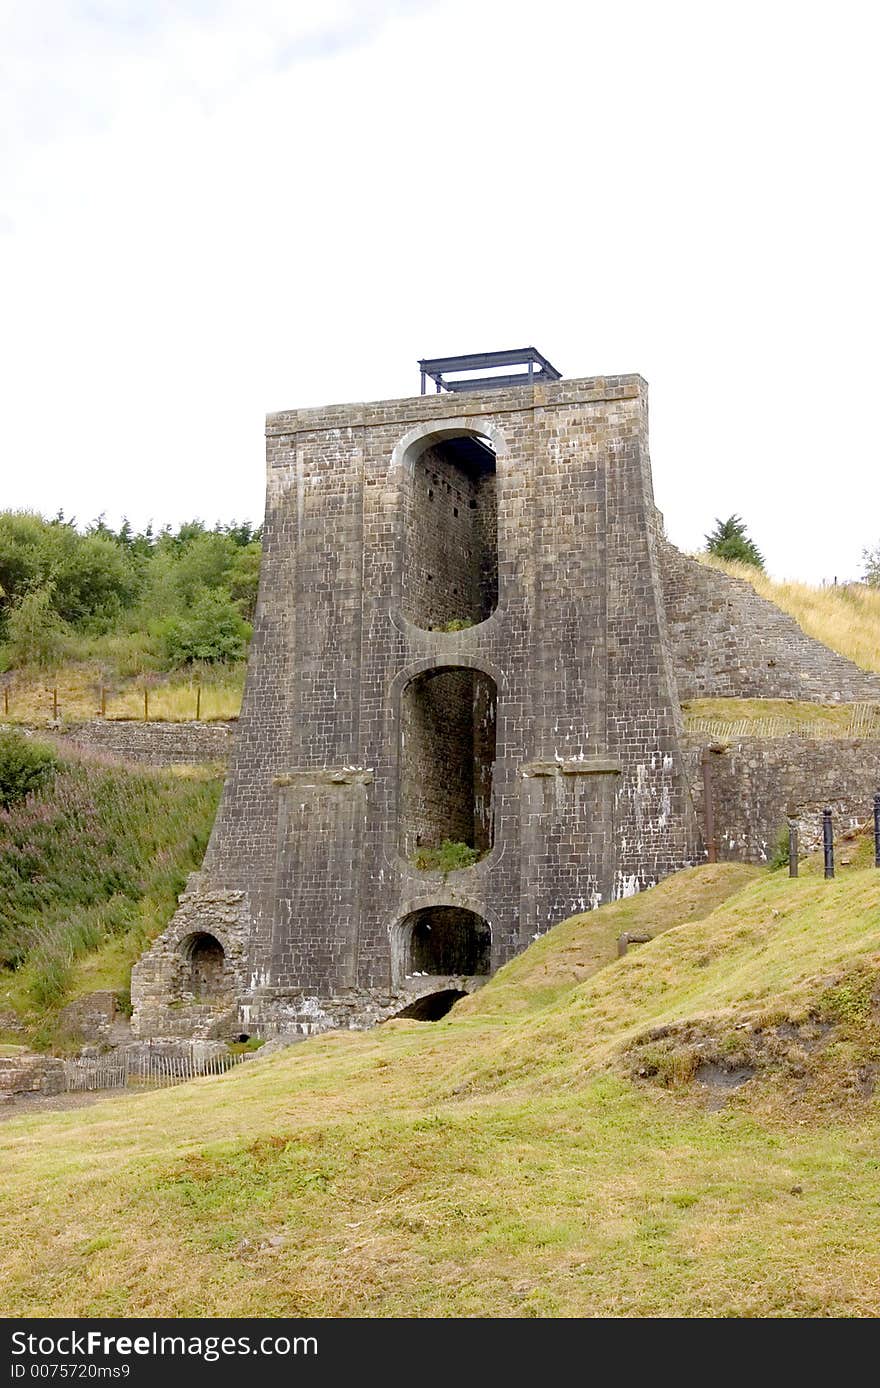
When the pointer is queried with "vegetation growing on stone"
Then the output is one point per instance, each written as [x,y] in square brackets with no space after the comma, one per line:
[449,857]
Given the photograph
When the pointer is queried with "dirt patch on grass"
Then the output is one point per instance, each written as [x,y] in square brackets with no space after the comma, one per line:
[826,1056]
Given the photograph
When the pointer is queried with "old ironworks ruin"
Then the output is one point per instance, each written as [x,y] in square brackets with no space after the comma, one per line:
[472,640]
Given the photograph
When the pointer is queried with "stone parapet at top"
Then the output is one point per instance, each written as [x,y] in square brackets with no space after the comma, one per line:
[416,408]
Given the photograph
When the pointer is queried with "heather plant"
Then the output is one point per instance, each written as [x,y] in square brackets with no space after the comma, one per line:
[99,857]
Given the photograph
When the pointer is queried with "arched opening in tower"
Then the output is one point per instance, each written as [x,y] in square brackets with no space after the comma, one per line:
[205,965]
[450,552]
[447,758]
[448,941]
[431,1007]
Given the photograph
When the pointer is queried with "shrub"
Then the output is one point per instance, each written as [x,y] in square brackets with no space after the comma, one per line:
[24,767]
[212,629]
[779,856]
[449,857]
[35,634]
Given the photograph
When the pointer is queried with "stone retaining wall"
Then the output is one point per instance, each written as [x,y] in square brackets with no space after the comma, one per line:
[154,744]
[757,782]
[729,642]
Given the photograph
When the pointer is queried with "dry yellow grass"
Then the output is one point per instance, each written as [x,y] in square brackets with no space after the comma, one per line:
[845,617]
[173,698]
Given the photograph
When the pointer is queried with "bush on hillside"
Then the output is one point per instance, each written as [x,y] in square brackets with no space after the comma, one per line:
[24,767]
[730,540]
[212,629]
[35,634]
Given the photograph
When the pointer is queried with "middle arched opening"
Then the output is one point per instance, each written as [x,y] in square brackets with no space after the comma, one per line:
[447,760]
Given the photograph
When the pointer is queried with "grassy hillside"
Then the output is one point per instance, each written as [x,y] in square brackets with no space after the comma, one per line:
[845,617]
[565,1143]
[90,868]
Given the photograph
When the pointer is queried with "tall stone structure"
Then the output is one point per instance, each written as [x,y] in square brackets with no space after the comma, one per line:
[460,637]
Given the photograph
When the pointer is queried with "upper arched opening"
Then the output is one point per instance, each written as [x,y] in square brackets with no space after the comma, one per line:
[450,549]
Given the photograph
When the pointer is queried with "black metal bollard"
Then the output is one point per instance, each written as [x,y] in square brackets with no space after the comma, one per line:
[828,842]
[792,848]
[877,829]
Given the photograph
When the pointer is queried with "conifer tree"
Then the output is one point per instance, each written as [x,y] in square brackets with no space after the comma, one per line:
[730,540]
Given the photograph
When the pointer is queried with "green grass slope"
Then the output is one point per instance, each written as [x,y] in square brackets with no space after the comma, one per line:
[90,869]
[549,1149]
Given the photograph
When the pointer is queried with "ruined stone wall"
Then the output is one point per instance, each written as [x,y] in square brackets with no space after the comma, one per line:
[727,641]
[154,744]
[589,795]
[756,782]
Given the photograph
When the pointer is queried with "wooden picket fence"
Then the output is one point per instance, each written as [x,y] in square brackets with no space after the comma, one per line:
[120,1069]
[864,721]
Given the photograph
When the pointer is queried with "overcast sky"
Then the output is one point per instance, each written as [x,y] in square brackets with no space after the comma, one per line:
[215,208]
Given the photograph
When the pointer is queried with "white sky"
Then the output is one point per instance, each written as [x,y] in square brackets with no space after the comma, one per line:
[214,208]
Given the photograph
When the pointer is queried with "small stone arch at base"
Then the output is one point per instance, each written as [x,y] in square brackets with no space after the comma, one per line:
[205,963]
[431,1006]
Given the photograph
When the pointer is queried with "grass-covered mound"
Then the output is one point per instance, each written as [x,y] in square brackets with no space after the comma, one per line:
[517,1158]
[90,867]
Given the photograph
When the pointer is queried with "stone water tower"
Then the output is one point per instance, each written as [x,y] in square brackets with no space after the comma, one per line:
[460,638]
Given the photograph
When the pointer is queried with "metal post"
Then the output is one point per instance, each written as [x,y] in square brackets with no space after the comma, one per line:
[709,808]
[423,382]
[877,829]
[792,848]
[828,842]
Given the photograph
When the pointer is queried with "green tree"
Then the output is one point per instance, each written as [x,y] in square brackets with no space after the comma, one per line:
[730,540]
[244,576]
[212,628]
[34,631]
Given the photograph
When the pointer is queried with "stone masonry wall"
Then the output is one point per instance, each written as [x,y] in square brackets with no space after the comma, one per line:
[154,744]
[756,782]
[589,795]
[727,641]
